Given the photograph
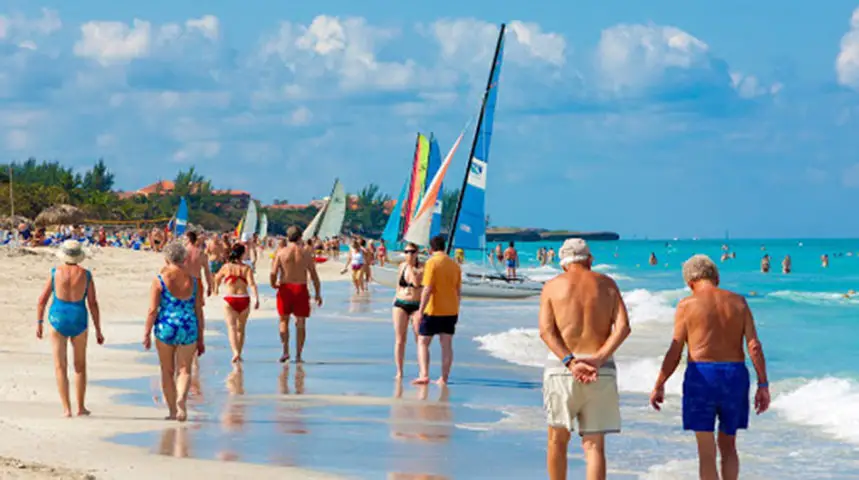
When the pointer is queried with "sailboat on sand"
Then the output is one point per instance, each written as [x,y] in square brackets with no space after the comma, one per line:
[468,226]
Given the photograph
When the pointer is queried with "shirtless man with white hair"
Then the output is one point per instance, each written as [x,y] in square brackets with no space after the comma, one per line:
[714,322]
[583,320]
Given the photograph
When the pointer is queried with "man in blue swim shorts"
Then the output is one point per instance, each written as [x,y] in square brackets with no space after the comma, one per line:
[714,323]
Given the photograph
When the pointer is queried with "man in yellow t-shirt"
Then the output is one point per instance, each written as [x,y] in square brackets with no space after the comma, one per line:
[439,310]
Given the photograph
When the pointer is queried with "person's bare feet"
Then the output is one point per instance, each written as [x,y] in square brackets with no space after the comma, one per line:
[83,412]
[235,358]
[420,381]
[284,358]
[298,359]
[181,411]
[398,376]
[441,381]
[171,416]
[67,413]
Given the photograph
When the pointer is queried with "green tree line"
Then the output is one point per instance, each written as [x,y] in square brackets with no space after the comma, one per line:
[38,185]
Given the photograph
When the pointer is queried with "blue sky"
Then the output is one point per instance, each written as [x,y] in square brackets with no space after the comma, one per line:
[658,118]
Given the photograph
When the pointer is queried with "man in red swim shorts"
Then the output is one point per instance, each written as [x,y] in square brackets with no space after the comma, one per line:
[289,271]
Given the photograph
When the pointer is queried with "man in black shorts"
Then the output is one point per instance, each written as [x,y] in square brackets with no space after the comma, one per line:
[439,310]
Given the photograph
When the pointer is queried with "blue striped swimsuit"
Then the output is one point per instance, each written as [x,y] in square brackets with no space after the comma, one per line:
[69,319]
[176,323]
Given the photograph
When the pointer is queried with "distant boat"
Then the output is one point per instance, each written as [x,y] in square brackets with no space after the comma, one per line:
[263,227]
[249,225]
[328,222]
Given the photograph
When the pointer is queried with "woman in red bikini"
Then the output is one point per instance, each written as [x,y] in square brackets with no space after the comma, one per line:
[237,278]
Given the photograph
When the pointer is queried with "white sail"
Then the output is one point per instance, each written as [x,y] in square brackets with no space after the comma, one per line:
[250,225]
[335,213]
[263,226]
[419,228]
[310,231]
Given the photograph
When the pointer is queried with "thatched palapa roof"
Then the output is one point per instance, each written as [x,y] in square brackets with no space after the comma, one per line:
[12,222]
[60,215]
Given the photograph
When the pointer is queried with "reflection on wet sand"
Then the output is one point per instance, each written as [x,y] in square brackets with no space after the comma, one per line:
[289,414]
[424,420]
[175,442]
[289,417]
[359,303]
[234,416]
[421,421]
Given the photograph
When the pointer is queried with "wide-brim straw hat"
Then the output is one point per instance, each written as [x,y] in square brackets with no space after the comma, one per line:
[71,252]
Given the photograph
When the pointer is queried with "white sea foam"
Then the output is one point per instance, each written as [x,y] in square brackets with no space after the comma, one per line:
[829,404]
[814,298]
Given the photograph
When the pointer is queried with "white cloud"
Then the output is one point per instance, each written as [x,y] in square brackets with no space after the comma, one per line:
[208,25]
[343,48]
[118,43]
[847,62]
[24,31]
[467,40]
[300,116]
[749,86]
[197,151]
[114,42]
[17,140]
[105,140]
[635,57]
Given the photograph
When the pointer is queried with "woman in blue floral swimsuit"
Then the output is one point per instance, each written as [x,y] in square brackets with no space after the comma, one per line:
[176,317]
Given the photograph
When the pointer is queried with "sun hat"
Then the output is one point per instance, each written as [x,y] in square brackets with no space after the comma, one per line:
[71,252]
[574,250]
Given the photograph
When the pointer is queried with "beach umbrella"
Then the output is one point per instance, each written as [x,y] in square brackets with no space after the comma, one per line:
[60,215]
[12,221]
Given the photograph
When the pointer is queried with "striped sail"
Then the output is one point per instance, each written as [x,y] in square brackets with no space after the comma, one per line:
[419,231]
[433,165]
[417,180]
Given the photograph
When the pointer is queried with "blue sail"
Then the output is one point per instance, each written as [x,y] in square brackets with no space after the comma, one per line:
[392,233]
[433,165]
[182,217]
[470,231]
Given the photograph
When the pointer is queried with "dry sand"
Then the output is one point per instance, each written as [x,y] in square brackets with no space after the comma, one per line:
[37,442]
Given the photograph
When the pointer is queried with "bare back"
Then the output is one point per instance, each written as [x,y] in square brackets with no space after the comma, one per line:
[293,264]
[194,261]
[584,304]
[714,323]
[70,283]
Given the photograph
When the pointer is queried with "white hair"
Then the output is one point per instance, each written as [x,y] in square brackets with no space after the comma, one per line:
[175,253]
[700,267]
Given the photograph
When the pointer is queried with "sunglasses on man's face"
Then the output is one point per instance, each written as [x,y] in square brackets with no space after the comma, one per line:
[410,251]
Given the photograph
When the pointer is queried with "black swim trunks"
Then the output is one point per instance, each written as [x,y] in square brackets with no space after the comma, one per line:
[437,324]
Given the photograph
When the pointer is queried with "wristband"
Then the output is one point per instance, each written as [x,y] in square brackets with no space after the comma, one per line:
[569,358]
[39,322]
[763,384]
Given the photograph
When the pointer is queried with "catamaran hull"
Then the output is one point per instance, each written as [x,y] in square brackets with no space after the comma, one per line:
[471,287]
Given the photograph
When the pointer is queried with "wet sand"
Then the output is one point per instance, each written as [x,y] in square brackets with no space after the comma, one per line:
[38,443]
[342,412]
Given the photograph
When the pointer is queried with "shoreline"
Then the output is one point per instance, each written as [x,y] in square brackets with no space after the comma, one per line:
[45,445]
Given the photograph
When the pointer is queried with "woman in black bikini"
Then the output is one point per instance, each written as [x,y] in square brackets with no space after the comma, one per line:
[406,302]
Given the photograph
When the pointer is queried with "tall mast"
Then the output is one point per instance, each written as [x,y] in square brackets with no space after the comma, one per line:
[452,230]
[11,192]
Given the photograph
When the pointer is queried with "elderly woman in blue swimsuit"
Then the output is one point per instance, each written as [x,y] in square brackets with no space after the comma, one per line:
[176,318]
[71,291]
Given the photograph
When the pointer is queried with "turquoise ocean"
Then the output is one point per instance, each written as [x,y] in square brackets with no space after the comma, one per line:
[341,412]
[810,334]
